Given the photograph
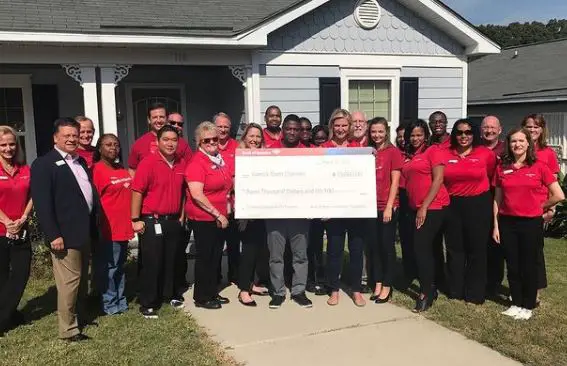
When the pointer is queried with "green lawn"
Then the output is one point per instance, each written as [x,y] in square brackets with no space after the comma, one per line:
[127,339]
[541,341]
[176,339]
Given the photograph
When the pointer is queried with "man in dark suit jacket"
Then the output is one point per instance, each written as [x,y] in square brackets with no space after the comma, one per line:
[66,204]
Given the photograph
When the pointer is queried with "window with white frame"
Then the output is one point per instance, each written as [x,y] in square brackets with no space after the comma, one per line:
[373,97]
[12,112]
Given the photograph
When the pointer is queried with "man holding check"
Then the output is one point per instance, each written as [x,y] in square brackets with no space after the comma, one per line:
[295,231]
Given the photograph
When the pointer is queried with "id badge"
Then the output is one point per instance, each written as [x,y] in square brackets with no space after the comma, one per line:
[157,229]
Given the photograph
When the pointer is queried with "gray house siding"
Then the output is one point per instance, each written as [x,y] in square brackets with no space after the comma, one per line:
[295,89]
[511,115]
[439,89]
[332,28]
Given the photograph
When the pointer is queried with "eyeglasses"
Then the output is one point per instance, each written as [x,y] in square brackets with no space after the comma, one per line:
[210,140]
[466,133]
[175,123]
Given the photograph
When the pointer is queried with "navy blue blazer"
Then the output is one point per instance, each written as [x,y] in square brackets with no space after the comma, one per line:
[61,208]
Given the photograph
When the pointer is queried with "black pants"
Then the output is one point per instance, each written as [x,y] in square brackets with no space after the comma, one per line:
[521,238]
[232,238]
[161,274]
[209,241]
[254,256]
[425,247]
[316,271]
[468,224]
[382,250]
[336,232]
[15,263]
[541,270]
[406,228]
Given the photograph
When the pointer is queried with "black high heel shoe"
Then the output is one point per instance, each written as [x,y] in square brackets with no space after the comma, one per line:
[386,299]
[423,304]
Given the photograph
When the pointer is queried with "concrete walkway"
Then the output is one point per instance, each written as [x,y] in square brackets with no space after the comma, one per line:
[341,335]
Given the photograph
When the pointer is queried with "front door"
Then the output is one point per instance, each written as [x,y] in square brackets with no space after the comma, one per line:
[16,111]
[140,97]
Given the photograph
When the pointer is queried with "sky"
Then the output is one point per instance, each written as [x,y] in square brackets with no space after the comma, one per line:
[508,11]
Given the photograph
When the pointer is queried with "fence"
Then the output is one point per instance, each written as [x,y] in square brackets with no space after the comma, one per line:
[557,139]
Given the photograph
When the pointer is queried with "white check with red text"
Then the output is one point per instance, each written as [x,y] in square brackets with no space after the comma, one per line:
[305,183]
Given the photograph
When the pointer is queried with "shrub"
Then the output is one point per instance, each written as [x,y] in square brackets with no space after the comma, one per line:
[557,227]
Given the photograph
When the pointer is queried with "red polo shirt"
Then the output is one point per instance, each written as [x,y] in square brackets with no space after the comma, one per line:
[445,144]
[402,178]
[521,188]
[498,149]
[217,184]
[358,143]
[387,160]
[14,193]
[161,185]
[470,175]
[548,156]
[331,143]
[269,140]
[113,187]
[87,154]
[279,145]
[147,144]
[418,172]
[228,152]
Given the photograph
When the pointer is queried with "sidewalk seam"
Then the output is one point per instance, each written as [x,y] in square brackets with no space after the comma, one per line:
[324,331]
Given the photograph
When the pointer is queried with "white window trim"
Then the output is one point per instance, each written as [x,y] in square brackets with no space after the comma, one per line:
[23,81]
[130,109]
[391,75]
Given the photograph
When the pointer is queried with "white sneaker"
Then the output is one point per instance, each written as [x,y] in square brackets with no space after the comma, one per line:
[512,311]
[523,314]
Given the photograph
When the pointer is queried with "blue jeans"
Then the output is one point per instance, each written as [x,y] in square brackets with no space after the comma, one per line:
[111,257]
[337,229]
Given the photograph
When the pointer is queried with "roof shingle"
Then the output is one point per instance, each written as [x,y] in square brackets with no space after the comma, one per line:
[170,17]
[525,72]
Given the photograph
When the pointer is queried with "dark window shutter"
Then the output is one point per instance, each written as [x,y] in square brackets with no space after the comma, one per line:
[329,98]
[409,96]
[45,112]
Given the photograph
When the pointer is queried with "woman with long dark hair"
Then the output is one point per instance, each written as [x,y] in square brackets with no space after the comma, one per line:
[469,167]
[382,251]
[535,124]
[112,182]
[518,211]
[428,199]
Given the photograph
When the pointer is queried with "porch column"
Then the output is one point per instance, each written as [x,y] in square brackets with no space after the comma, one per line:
[86,76]
[244,74]
[110,76]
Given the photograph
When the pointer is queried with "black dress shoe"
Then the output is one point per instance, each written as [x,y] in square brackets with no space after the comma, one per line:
[260,293]
[222,300]
[250,303]
[77,338]
[211,304]
[423,304]
[386,299]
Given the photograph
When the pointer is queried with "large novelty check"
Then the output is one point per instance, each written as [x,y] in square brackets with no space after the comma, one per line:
[305,183]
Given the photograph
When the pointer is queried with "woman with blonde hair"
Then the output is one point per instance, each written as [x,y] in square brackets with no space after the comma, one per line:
[254,255]
[86,133]
[15,207]
[340,125]
[209,181]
